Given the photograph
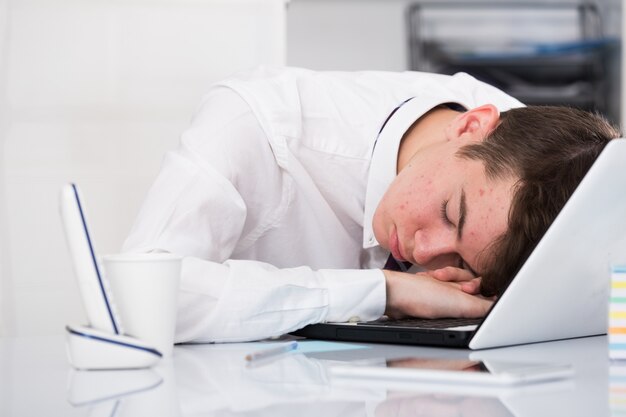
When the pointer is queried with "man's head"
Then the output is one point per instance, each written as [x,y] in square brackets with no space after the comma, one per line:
[549,150]
[478,186]
[442,209]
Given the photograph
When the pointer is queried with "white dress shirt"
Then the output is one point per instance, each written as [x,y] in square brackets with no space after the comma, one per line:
[271,194]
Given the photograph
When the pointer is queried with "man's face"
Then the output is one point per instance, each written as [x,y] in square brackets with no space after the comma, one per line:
[441,210]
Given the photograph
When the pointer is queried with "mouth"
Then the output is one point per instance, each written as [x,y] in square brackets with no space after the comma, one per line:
[394,246]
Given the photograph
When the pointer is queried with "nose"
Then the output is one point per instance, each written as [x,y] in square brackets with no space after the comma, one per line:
[434,251]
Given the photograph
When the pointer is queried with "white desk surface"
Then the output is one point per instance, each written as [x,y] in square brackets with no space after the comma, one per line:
[215,380]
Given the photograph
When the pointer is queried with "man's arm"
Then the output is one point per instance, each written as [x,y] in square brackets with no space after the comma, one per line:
[198,214]
[249,300]
[467,281]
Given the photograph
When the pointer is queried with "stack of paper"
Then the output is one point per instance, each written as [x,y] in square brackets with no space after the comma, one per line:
[617,313]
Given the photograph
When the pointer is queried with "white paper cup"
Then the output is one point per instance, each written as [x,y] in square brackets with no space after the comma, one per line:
[145,291]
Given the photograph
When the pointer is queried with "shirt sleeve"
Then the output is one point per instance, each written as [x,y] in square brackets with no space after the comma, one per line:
[248,300]
[195,209]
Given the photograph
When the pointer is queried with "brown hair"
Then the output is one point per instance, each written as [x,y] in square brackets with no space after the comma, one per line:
[550,149]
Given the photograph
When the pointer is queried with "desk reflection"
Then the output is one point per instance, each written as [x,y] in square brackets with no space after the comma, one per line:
[400,404]
[213,380]
[142,392]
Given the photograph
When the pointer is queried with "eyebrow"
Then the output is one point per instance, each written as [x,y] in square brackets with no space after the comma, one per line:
[462,214]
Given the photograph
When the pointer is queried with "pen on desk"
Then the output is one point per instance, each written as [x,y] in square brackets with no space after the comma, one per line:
[270,352]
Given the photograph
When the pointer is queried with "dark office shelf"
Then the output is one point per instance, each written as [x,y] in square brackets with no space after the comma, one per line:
[570,73]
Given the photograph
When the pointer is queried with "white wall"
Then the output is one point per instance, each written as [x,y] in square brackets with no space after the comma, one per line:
[6,299]
[347,34]
[95,91]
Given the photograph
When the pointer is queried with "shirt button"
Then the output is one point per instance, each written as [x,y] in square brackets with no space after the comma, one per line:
[354,319]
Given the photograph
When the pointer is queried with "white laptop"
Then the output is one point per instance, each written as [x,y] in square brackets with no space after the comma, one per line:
[560,292]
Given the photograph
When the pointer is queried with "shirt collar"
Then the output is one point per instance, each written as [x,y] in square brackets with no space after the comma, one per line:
[385,154]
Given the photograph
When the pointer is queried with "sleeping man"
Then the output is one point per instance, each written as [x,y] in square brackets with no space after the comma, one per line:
[299,197]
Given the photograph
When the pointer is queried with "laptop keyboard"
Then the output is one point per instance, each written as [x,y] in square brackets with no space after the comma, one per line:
[423,323]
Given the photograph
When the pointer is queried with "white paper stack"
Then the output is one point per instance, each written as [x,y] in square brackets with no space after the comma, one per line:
[617,313]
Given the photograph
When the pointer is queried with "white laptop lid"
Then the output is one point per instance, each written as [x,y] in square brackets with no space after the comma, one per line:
[562,290]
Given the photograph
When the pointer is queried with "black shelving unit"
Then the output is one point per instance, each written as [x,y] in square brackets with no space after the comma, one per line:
[540,71]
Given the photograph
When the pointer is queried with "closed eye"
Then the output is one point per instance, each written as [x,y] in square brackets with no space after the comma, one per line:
[444,213]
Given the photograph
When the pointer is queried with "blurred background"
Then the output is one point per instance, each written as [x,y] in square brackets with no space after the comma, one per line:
[95,91]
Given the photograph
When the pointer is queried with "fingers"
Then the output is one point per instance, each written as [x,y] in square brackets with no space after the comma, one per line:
[468,283]
[452,274]
[471,287]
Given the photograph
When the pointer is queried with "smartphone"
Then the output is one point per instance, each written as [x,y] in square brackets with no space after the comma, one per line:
[454,371]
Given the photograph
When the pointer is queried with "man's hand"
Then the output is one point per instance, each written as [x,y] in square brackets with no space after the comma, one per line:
[423,295]
[466,280]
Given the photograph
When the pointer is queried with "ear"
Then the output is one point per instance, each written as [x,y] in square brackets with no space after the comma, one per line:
[474,124]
